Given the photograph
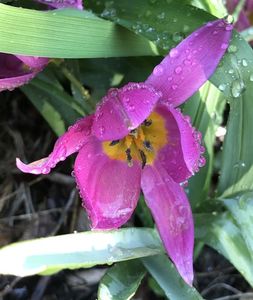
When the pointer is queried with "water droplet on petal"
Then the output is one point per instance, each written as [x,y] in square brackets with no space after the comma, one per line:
[187,62]
[173,52]
[178,70]
[174,86]
[224,46]
[102,130]
[158,70]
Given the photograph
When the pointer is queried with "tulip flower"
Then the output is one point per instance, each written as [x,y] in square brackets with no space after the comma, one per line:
[138,139]
[16,70]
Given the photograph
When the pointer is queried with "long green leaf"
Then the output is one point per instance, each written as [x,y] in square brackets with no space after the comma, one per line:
[164,22]
[241,209]
[49,255]
[222,233]
[121,281]
[66,33]
[237,161]
[164,272]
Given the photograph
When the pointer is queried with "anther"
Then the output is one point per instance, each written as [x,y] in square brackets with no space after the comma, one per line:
[148,145]
[133,133]
[147,122]
[143,158]
[113,143]
[129,158]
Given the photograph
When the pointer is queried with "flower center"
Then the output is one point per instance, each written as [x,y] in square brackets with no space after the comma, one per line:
[141,144]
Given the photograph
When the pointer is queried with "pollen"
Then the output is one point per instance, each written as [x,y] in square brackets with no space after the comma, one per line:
[141,144]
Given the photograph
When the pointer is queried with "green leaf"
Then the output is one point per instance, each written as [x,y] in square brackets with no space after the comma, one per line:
[121,281]
[164,272]
[164,22]
[222,233]
[57,107]
[237,159]
[206,110]
[80,250]
[67,34]
[241,209]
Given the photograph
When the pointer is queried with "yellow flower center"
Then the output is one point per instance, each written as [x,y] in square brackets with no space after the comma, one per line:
[142,143]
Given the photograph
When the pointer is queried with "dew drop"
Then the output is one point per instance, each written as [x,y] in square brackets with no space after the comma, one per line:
[237,88]
[222,87]
[173,52]
[244,62]
[174,87]
[224,46]
[202,161]
[102,130]
[232,49]
[187,62]
[158,70]
[178,70]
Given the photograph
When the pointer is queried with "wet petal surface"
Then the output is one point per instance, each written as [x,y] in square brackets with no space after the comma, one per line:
[13,72]
[110,188]
[191,63]
[68,143]
[172,214]
[122,110]
[33,61]
[181,157]
[63,3]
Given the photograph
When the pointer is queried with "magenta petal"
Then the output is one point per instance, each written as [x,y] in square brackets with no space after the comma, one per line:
[181,157]
[122,110]
[63,3]
[14,82]
[33,62]
[15,71]
[191,63]
[68,143]
[110,188]
[172,214]
[242,22]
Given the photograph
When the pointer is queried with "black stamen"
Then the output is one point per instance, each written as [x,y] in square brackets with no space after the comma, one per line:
[143,158]
[148,145]
[129,157]
[133,133]
[147,122]
[113,143]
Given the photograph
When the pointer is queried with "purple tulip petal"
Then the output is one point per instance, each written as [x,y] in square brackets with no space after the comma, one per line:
[63,3]
[181,157]
[191,63]
[70,142]
[123,110]
[110,188]
[172,214]
[242,22]
[33,62]
[18,70]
